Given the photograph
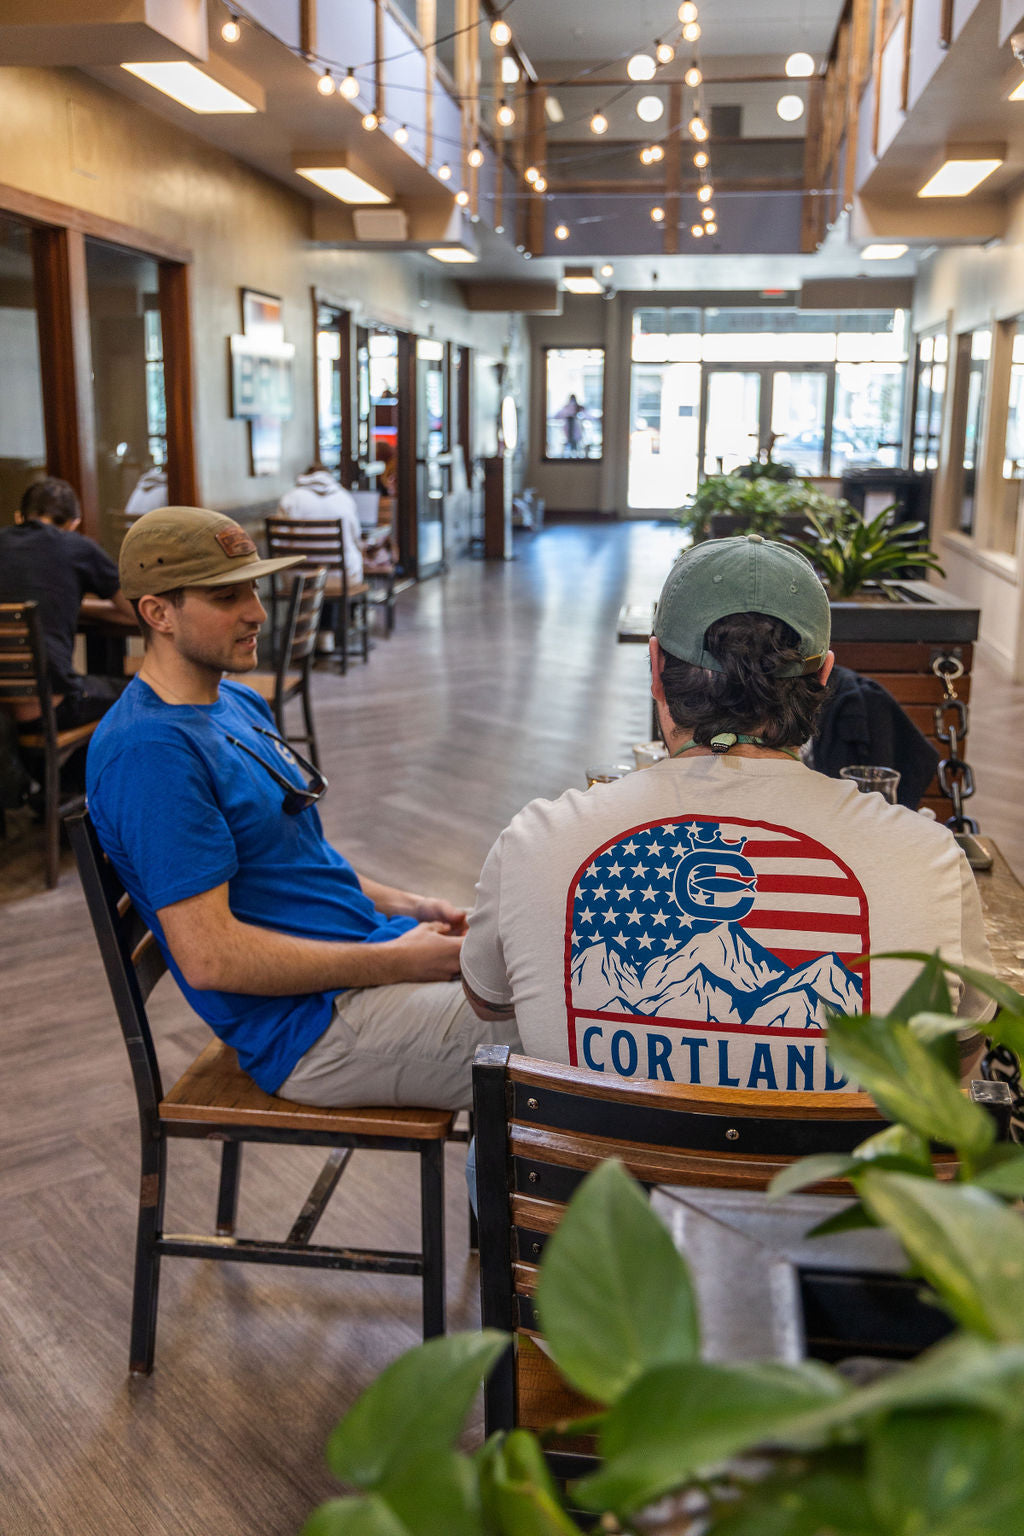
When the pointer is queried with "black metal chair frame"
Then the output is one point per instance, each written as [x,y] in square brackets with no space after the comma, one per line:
[321,541]
[25,679]
[134,964]
[293,662]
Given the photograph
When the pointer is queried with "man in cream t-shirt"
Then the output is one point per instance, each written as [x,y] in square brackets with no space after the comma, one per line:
[693,921]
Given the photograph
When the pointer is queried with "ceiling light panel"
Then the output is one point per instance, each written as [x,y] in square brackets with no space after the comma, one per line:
[883,252]
[342,183]
[958,178]
[190,87]
[455,255]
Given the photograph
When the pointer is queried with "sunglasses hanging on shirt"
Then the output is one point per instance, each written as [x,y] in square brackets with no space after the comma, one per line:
[296,797]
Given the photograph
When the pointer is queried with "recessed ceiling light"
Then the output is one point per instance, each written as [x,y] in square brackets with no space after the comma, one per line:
[342,183]
[190,87]
[882,252]
[454,254]
[958,177]
[581,280]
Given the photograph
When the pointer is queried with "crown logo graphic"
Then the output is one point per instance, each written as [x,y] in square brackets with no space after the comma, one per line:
[706,837]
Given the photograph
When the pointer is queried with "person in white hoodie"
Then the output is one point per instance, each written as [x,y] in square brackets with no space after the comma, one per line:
[317,493]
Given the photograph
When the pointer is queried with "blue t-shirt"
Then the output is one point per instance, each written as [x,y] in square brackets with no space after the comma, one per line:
[180,810]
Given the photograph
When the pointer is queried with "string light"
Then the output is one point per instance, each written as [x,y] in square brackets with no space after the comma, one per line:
[349,87]
[501,34]
[505,115]
[561,231]
[691,31]
[462,198]
[700,159]
[707,214]
[696,230]
[650,108]
[476,157]
[530,174]
[789,108]
[641,67]
[697,129]
[658,215]
[645,156]
[607,270]
[706,193]
[325,85]
[664,53]
[444,172]
[371,122]
[687,12]
[693,76]
[231,31]
[799,66]
[402,135]
[540,184]
[711,227]
[599,123]
[652,154]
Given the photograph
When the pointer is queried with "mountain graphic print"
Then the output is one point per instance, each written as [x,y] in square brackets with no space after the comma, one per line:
[708,951]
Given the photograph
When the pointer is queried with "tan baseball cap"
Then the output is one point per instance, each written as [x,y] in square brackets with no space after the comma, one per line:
[190,547]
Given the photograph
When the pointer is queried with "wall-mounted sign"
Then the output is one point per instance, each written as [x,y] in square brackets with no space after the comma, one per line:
[262,385]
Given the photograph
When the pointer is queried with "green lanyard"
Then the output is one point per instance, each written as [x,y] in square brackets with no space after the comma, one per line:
[726,739]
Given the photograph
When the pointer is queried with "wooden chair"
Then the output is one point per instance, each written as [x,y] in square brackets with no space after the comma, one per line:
[295,651]
[25,694]
[541,1127]
[215,1101]
[320,540]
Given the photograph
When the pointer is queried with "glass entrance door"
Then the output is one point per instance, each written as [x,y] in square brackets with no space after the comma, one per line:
[798,418]
[433,459]
[732,419]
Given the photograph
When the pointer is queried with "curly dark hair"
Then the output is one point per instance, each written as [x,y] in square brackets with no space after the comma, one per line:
[748,696]
[51,498]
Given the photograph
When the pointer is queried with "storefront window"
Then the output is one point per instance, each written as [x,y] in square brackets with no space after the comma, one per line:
[866,421]
[975,350]
[574,396]
[22,437]
[932,357]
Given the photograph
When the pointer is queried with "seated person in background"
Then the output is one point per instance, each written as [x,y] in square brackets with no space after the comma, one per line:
[44,559]
[332,988]
[694,920]
[148,493]
[317,493]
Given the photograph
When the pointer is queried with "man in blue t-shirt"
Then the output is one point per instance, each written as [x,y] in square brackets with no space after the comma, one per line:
[332,988]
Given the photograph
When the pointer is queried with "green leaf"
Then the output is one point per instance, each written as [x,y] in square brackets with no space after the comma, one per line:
[927,992]
[1003,1175]
[810,1170]
[964,1241]
[906,1081]
[435,1494]
[927,1468]
[982,981]
[614,1295]
[519,1493]
[829,1496]
[853,1219]
[896,1144]
[353,1517]
[417,1404]
[679,1419]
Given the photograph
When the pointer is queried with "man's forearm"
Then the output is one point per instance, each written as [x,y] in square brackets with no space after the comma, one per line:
[389,899]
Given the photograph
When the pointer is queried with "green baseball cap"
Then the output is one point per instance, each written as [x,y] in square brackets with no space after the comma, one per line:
[190,547]
[745,575]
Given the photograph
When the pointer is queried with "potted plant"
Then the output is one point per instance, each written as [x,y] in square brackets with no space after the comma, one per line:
[853,552]
[727,505]
[694,1448]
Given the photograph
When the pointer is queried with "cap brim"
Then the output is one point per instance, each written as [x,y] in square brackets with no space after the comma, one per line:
[251,572]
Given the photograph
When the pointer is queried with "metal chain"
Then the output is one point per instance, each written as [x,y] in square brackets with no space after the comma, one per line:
[955,774]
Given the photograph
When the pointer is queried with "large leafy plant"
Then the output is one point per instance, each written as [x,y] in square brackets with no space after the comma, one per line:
[693,1448]
[760,503]
[850,550]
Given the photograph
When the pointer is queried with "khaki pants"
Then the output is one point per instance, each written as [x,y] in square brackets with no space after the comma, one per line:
[407,1043]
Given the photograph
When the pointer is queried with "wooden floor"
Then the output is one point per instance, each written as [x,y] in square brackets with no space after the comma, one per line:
[501,682]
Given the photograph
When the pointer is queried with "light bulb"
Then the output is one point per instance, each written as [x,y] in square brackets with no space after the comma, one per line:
[695,127]
[707,214]
[691,31]
[700,159]
[371,122]
[607,270]
[462,198]
[599,123]
[325,85]
[789,108]
[696,230]
[475,157]
[706,193]
[645,156]
[540,184]
[799,66]
[711,227]
[657,215]
[402,135]
[687,12]
[505,115]
[664,53]
[501,34]
[693,76]
[231,31]
[530,174]
[641,67]
[650,108]
[349,87]
[561,231]
[444,172]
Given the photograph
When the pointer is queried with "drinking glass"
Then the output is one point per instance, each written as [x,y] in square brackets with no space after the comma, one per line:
[871,779]
[606,773]
[647,753]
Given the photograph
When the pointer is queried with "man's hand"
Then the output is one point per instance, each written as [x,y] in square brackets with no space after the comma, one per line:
[434,909]
[428,952]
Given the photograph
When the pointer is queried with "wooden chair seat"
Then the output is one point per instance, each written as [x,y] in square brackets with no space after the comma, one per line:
[64,739]
[214,1087]
[265,683]
[335,587]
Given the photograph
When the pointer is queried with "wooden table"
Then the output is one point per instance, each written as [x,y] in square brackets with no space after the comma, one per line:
[107,631]
[1002,902]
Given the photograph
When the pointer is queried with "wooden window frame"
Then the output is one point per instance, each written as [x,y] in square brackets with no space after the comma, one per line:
[547,458]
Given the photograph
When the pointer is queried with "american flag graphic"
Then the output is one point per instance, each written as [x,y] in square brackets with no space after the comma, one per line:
[707,950]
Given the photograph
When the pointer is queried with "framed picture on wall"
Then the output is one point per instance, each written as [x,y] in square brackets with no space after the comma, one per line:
[261,316]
